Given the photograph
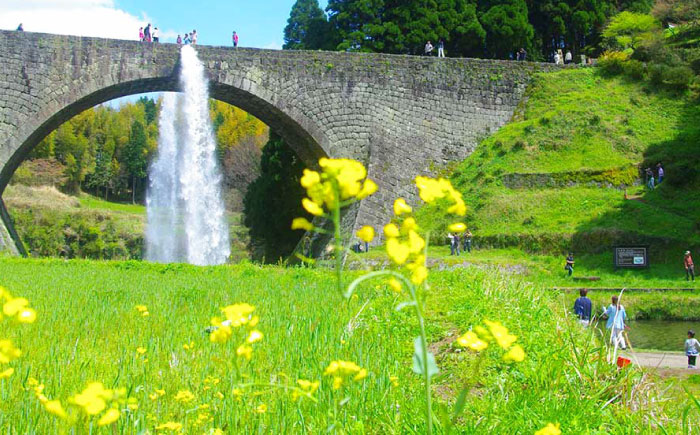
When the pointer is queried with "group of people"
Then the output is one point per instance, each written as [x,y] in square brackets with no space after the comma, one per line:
[146,34]
[651,182]
[563,59]
[190,38]
[455,240]
[428,51]
[616,318]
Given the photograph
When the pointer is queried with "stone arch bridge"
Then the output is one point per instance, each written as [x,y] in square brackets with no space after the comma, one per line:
[400,115]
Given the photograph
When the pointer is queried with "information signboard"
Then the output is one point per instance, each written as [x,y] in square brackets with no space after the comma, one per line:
[632,257]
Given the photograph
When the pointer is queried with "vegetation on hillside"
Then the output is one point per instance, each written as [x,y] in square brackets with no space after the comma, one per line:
[170,367]
[469,28]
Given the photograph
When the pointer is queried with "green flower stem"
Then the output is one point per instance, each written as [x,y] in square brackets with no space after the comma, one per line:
[338,244]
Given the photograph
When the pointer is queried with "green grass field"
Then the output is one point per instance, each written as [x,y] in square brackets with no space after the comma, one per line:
[88,329]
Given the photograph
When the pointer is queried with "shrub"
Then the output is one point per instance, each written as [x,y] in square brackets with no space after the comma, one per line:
[612,62]
[695,65]
[656,74]
[634,69]
[678,77]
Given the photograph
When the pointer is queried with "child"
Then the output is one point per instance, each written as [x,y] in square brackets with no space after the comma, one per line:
[616,323]
[692,348]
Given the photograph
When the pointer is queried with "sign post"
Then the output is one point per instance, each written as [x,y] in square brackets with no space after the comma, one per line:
[631,257]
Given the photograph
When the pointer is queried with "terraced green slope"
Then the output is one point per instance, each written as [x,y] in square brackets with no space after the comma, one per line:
[555,178]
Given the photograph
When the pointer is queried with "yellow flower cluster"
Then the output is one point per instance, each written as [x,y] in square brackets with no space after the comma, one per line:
[480,338]
[405,246]
[306,388]
[19,309]
[237,316]
[143,310]
[431,189]
[550,429]
[342,371]
[340,182]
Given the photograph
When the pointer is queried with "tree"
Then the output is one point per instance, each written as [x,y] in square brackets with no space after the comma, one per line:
[136,156]
[507,27]
[308,28]
[274,199]
[359,24]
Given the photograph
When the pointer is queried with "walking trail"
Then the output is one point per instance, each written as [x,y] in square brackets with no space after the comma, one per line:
[673,360]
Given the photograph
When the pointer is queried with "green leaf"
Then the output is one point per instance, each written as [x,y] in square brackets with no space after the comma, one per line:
[461,402]
[418,366]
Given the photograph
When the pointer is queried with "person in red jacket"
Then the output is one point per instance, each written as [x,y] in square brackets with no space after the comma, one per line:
[689,266]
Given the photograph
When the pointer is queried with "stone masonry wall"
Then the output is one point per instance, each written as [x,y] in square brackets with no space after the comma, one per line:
[400,115]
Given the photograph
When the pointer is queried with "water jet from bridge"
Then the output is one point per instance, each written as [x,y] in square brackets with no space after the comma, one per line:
[185,210]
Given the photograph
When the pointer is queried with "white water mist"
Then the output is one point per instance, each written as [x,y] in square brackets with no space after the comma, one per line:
[186,214]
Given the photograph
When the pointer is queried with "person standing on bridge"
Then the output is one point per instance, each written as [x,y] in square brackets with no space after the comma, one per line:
[20,28]
[147,33]
[689,266]
[441,48]
[692,349]
[141,34]
[179,40]
[155,35]
[428,48]
[235,39]
[194,37]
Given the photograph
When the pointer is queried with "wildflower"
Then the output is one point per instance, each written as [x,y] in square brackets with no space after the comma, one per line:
[7,373]
[419,275]
[311,207]
[472,341]
[366,233]
[501,334]
[26,315]
[415,242]
[515,354]
[141,350]
[409,224]
[261,409]
[397,251]
[395,285]
[219,395]
[254,336]
[245,351]
[391,231]
[141,308]
[54,407]
[308,386]
[238,314]
[430,189]
[550,429]
[342,370]
[457,228]
[93,398]
[184,396]
[222,332]
[171,426]
[188,346]
[400,207]
[109,417]
[14,306]
[215,431]
[394,381]
[310,179]
[368,188]
[8,352]
[301,223]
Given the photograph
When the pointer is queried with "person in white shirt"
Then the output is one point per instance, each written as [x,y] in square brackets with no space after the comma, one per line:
[692,349]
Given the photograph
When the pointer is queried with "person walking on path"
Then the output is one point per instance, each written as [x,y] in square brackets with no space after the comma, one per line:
[692,349]
[650,178]
[689,266]
[583,307]
[234,38]
[147,33]
[616,323]
[428,49]
[569,266]
[660,170]
[467,242]
[441,48]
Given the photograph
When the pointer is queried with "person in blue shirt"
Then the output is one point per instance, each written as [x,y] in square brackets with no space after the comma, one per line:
[583,307]
[616,323]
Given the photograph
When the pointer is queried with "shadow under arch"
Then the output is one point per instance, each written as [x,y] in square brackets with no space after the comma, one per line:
[306,140]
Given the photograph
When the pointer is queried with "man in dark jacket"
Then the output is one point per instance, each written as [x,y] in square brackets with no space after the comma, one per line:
[583,308]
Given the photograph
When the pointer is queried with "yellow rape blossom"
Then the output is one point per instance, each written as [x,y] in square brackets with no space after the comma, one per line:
[457,227]
[343,370]
[419,275]
[310,179]
[395,285]
[515,354]
[93,399]
[254,336]
[472,341]
[500,334]
[391,231]
[366,233]
[184,396]
[550,429]
[238,314]
[261,409]
[7,373]
[368,188]
[171,426]
[141,350]
[14,306]
[301,223]
[54,407]
[311,207]
[397,251]
[109,417]
[8,352]
[430,189]
[245,351]
[26,315]
[394,381]
[400,207]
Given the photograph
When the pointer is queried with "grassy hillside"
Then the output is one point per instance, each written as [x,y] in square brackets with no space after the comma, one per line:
[52,224]
[93,330]
[555,177]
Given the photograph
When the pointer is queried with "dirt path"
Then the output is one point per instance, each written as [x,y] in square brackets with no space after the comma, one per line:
[674,360]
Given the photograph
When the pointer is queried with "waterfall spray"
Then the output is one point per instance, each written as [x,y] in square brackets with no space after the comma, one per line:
[186,214]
